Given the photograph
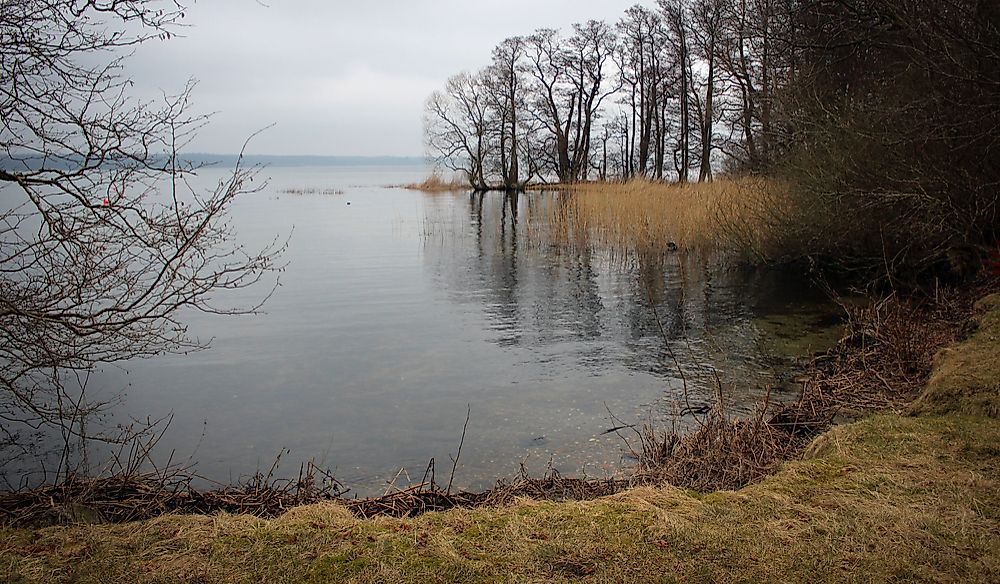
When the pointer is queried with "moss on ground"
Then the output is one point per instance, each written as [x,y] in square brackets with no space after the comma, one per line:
[889,498]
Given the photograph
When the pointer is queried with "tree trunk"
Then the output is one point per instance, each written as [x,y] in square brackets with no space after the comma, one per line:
[705,173]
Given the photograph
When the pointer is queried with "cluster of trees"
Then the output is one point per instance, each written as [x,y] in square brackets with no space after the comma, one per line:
[664,93]
[884,114]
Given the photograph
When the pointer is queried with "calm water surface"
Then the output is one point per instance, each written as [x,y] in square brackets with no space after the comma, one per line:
[398,310]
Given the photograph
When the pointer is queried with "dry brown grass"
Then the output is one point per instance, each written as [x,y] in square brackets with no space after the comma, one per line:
[723,453]
[888,499]
[436,183]
[967,379]
[642,216]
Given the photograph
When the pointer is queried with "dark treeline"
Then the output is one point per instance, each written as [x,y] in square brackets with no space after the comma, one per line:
[884,115]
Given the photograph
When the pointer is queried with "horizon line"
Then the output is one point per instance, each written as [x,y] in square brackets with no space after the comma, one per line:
[356,156]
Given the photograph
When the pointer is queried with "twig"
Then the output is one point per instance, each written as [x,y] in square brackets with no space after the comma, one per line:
[468,414]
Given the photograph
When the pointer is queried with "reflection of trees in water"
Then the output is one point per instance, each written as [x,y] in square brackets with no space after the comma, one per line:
[538,294]
[496,261]
[531,296]
[699,309]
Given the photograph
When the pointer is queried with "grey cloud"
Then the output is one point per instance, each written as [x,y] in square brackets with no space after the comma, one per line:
[345,78]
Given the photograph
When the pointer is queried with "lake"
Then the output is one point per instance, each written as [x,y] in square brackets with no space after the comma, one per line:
[400,311]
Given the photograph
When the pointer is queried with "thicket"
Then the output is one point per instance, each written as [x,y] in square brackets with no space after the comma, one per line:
[881,118]
[893,132]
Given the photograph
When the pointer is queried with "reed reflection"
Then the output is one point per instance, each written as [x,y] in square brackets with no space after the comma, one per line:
[579,304]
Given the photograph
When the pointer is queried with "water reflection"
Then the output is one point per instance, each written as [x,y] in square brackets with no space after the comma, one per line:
[601,309]
[399,310]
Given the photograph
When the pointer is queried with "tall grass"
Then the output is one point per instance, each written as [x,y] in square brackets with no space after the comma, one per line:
[740,215]
[436,183]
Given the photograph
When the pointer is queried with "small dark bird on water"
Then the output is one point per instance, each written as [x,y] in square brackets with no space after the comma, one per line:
[695,410]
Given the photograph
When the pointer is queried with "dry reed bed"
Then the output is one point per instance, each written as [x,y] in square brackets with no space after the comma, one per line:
[725,453]
[644,216]
[311,191]
[437,183]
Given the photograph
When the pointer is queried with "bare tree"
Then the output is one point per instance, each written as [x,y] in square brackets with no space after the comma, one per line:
[103,241]
[706,29]
[507,66]
[553,105]
[639,59]
[590,51]
[457,125]
[676,17]
[567,87]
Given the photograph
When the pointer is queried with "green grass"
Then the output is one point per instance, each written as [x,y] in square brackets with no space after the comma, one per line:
[889,498]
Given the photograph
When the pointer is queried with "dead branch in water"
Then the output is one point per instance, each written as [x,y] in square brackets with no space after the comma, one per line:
[458,455]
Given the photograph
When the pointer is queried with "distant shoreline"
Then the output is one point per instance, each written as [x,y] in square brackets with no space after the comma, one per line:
[306,160]
[229,160]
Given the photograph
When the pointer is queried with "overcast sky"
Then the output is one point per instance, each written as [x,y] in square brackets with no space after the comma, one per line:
[336,77]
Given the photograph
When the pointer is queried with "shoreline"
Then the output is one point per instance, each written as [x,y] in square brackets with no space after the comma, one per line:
[701,459]
[886,494]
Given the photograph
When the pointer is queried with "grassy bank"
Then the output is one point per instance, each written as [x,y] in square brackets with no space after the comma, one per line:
[892,497]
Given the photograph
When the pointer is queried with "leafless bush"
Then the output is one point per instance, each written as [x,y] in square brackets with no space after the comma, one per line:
[104,242]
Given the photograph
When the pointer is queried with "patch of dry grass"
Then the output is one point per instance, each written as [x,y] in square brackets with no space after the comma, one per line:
[967,378]
[311,191]
[436,183]
[728,453]
[890,498]
[639,215]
